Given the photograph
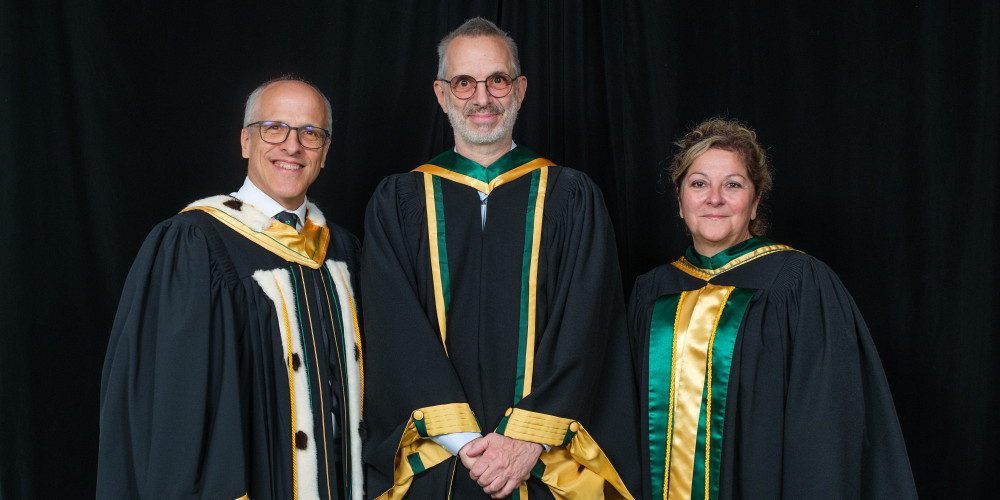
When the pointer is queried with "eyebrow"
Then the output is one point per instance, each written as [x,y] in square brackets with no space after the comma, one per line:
[500,72]
[292,125]
[727,175]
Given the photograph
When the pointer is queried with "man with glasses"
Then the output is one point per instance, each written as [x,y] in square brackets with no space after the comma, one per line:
[494,316]
[234,366]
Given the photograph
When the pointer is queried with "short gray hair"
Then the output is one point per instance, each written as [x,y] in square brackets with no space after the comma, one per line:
[477,27]
[250,111]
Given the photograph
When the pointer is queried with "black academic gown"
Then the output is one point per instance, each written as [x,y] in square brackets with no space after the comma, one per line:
[472,377]
[808,412]
[234,344]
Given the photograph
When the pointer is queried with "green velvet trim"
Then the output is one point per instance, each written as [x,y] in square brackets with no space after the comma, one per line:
[661,340]
[538,470]
[421,427]
[502,426]
[662,330]
[457,163]
[568,437]
[415,463]
[724,257]
[522,338]
[442,245]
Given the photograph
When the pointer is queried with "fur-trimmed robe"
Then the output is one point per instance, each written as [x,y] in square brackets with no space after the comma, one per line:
[235,342]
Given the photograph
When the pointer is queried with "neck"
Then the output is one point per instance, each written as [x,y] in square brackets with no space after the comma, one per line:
[484,154]
[710,249]
[292,206]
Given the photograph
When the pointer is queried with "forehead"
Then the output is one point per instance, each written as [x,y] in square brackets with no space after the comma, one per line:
[477,56]
[718,162]
[293,102]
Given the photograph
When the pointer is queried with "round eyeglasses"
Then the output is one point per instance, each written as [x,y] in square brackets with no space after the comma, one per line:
[464,86]
[277,132]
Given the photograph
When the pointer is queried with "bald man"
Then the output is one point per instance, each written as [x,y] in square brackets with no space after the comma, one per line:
[233,369]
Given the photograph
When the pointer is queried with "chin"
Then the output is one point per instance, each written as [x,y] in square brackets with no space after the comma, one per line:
[714,239]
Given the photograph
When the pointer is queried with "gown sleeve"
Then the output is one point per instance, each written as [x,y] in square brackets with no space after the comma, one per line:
[171,424]
[419,393]
[638,315]
[841,435]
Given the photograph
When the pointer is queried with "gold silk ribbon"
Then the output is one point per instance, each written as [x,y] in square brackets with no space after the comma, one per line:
[479,185]
[307,248]
[580,469]
[574,469]
[414,448]
[697,318]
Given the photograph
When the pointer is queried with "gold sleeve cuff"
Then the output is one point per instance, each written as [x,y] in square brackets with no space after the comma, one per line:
[575,467]
[416,454]
[444,419]
[538,427]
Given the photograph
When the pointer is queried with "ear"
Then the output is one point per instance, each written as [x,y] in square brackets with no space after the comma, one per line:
[439,90]
[522,87]
[753,209]
[322,157]
[245,143]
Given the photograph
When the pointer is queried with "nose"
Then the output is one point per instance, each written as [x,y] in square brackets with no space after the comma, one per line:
[291,144]
[715,196]
[481,97]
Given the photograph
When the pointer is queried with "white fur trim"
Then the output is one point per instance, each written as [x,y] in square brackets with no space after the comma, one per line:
[345,295]
[250,216]
[314,214]
[277,285]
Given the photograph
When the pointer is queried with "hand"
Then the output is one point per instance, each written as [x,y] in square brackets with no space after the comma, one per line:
[502,463]
[463,453]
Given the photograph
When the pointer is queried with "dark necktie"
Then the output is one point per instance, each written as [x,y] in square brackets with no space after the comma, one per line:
[288,218]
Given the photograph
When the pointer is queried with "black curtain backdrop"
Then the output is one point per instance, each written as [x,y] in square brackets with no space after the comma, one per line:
[881,119]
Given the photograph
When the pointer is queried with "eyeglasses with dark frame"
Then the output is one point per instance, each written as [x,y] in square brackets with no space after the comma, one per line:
[277,132]
[464,86]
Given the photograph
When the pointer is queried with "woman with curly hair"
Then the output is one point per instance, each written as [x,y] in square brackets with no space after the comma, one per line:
[757,374]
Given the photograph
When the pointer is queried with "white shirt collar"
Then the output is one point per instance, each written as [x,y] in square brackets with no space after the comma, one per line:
[250,193]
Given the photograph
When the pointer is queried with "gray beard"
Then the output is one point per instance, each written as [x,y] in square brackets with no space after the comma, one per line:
[502,131]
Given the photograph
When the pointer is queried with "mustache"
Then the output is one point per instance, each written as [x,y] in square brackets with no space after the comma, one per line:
[492,108]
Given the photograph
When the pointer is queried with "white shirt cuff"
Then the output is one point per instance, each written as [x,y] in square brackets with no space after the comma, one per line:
[455,441]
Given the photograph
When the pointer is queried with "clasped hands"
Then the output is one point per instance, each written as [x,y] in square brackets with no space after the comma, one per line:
[498,463]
